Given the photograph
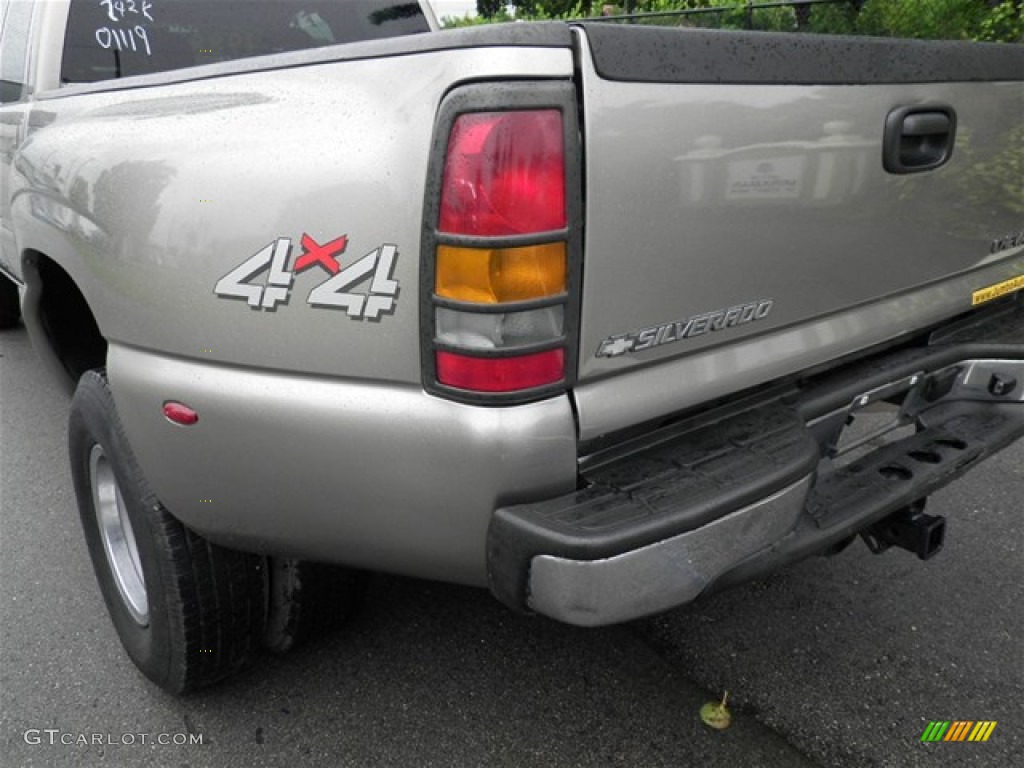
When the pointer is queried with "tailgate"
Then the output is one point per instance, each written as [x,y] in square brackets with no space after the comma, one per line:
[741,224]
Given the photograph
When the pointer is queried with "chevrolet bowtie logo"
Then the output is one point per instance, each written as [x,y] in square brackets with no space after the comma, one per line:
[615,346]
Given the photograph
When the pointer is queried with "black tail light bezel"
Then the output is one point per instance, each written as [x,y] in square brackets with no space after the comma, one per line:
[504,97]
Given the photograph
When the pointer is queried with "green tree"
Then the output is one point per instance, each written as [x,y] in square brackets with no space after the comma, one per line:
[838,19]
[928,19]
[1004,23]
[560,7]
[991,20]
[488,9]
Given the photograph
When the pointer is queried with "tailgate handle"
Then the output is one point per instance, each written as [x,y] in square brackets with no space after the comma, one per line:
[926,123]
[918,138]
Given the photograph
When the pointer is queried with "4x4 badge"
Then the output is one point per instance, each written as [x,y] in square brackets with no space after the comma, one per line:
[337,291]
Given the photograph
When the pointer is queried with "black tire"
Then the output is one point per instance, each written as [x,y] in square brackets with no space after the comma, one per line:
[196,614]
[10,308]
[307,599]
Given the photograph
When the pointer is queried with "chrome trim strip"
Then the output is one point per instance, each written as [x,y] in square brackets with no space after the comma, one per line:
[663,575]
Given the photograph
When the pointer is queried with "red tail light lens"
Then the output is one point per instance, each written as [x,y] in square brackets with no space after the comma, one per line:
[500,374]
[504,174]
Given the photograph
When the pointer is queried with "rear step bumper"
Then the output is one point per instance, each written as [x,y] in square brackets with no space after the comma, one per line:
[655,525]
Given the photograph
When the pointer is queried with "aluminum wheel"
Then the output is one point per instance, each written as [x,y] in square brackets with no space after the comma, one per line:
[188,612]
[118,537]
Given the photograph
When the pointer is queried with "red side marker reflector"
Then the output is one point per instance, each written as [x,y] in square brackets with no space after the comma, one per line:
[500,374]
[179,413]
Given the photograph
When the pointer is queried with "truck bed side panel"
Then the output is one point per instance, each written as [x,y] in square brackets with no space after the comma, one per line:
[152,197]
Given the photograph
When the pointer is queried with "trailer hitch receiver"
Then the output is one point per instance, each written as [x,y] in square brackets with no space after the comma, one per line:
[908,528]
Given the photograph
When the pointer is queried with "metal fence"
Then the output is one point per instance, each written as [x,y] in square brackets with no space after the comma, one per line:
[779,15]
[958,19]
[986,20]
[788,14]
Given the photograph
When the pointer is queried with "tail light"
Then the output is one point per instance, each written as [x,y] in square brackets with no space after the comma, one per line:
[501,251]
[504,174]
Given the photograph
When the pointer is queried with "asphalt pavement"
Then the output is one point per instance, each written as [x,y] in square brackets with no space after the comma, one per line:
[838,662]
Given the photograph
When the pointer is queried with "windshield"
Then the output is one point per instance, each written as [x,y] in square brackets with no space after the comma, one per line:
[116,38]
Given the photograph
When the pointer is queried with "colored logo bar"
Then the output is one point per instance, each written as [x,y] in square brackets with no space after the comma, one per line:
[958,730]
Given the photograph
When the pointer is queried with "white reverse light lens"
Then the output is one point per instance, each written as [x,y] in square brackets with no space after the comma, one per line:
[498,331]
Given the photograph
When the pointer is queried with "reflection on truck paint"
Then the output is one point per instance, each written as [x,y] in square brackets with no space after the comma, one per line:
[830,170]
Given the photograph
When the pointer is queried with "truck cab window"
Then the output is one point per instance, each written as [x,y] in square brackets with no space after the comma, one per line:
[117,38]
[17,18]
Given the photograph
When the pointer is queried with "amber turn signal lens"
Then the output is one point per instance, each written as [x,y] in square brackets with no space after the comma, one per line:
[497,275]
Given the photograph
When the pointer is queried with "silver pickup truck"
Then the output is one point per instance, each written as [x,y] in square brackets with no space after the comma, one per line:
[602,317]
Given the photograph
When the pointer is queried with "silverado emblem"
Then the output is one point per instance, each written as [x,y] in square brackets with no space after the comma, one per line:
[697,325]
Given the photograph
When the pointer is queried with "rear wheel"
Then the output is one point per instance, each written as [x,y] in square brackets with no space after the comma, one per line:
[187,611]
[10,310]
